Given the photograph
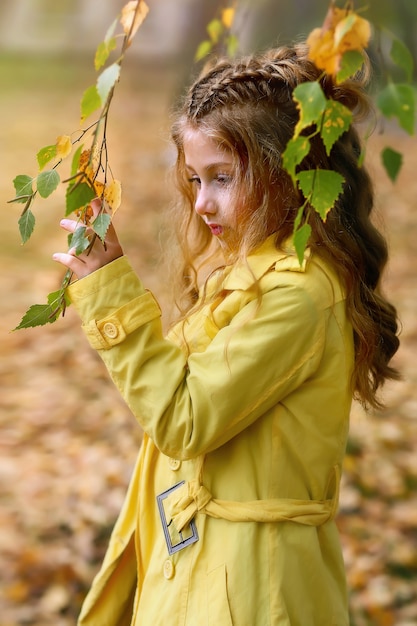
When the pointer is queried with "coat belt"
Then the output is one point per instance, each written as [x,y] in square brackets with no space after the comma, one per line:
[192,498]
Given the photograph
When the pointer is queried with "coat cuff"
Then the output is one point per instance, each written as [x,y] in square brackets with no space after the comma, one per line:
[112,303]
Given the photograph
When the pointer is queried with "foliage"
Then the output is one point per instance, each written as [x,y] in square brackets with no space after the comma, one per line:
[337,48]
[90,173]
[219,35]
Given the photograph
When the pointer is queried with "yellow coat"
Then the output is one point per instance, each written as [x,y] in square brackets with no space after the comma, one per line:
[254,421]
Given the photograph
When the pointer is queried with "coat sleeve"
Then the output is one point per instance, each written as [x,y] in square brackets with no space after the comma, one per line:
[189,406]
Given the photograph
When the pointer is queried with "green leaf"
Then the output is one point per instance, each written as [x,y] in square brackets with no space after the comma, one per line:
[402,57]
[26,225]
[79,241]
[101,225]
[296,150]
[78,196]
[103,52]
[203,50]
[41,314]
[311,102]
[23,186]
[107,80]
[336,121]
[300,240]
[398,100]
[215,30]
[232,43]
[45,155]
[47,182]
[90,102]
[76,160]
[352,61]
[392,161]
[321,188]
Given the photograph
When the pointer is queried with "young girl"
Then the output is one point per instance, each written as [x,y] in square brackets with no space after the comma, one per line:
[229,517]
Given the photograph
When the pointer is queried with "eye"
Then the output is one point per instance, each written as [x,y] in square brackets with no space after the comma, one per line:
[194,180]
[223,179]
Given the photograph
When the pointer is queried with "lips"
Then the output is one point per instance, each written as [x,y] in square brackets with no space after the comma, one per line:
[216,229]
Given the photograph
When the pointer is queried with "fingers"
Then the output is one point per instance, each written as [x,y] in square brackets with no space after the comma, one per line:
[72,262]
[69,225]
[97,255]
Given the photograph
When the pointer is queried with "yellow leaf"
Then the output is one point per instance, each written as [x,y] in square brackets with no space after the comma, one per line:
[98,188]
[63,146]
[132,19]
[113,195]
[342,30]
[84,160]
[228,16]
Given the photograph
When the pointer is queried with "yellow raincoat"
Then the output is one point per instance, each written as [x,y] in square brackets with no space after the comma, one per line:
[252,426]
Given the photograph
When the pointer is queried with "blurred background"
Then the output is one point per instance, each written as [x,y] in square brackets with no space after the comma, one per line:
[67,441]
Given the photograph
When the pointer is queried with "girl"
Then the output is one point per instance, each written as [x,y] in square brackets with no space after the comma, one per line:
[229,517]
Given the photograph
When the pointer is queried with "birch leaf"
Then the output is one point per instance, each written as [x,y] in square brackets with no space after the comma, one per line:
[131,19]
[90,102]
[78,196]
[321,188]
[63,146]
[113,195]
[398,100]
[47,182]
[300,240]
[392,161]
[101,225]
[26,225]
[311,103]
[336,121]
[107,80]
[23,185]
[46,154]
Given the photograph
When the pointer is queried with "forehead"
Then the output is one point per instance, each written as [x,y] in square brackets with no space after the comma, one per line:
[202,150]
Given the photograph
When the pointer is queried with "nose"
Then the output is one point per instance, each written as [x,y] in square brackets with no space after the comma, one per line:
[204,203]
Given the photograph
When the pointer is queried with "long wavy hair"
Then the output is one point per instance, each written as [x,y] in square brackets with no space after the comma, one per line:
[247,106]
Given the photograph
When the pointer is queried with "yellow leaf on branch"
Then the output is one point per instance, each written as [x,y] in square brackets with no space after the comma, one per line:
[113,195]
[63,146]
[133,16]
[228,15]
[342,31]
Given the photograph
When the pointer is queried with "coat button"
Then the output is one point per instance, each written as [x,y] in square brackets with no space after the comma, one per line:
[110,330]
[169,569]
[174,464]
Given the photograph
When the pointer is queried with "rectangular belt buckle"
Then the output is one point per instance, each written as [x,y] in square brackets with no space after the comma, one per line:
[175,541]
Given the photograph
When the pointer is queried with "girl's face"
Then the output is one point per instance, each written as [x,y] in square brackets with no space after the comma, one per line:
[210,170]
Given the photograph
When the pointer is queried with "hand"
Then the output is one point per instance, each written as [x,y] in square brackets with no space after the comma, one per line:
[94,257]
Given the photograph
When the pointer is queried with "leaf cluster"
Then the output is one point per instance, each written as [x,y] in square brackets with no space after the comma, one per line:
[219,35]
[90,175]
[338,49]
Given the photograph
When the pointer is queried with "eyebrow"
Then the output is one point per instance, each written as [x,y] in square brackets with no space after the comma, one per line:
[212,166]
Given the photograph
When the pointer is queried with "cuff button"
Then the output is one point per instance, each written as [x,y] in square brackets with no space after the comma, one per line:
[110,330]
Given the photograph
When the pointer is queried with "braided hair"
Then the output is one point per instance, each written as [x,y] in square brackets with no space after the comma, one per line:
[247,106]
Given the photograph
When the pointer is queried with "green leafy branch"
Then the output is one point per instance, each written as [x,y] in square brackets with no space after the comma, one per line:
[330,119]
[397,99]
[90,173]
[219,35]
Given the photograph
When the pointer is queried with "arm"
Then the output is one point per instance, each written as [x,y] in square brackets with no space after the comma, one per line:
[191,406]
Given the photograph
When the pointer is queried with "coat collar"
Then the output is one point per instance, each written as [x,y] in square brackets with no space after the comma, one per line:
[243,275]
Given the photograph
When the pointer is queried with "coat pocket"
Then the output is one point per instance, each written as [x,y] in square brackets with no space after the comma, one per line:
[217,601]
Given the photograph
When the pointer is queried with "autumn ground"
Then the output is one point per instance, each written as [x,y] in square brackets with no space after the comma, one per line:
[67,440]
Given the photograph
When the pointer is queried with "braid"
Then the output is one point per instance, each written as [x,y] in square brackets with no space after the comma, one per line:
[272,76]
